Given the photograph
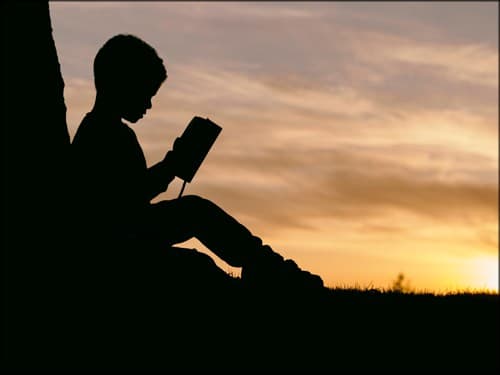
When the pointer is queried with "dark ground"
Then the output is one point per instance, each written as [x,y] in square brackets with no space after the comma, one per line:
[353,331]
[343,331]
[198,329]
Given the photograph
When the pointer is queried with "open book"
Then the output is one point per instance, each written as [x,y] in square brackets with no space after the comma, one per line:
[197,139]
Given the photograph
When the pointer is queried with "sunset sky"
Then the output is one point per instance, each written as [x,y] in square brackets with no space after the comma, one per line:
[359,138]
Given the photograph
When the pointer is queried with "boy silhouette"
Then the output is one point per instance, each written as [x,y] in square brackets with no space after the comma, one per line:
[115,186]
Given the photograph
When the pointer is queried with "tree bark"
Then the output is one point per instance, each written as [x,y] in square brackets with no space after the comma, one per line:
[35,146]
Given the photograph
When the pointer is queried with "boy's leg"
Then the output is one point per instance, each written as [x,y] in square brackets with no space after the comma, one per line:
[191,216]
[178,220]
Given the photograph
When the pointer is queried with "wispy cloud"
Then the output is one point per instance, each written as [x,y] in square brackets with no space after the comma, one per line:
[476,63]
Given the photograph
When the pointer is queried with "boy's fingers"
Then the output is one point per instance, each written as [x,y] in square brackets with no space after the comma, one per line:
[177,143]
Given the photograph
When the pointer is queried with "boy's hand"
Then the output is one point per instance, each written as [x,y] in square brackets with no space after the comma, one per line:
[179,146]
[174,157]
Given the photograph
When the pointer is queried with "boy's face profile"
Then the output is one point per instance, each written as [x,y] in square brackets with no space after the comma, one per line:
[132,102]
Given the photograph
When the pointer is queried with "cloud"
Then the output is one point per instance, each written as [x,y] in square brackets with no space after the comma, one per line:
[291,110]
[475,63]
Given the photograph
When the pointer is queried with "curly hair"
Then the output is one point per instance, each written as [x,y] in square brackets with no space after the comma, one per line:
[127,60]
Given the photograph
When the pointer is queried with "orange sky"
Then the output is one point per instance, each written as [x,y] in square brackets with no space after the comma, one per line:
[360,138]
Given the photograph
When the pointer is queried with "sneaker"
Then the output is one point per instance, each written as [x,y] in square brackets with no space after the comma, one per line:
[290,273]
[272,271]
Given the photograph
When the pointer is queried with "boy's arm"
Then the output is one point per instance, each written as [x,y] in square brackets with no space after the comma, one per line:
[159,176]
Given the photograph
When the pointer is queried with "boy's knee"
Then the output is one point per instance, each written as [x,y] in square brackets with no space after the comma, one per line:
[195,202]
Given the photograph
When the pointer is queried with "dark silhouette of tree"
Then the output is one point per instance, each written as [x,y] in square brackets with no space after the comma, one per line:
[35,143]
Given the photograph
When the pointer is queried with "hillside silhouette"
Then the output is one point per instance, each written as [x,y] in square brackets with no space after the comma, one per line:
[67,310]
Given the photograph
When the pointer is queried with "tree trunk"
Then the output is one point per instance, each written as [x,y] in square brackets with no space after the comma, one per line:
[35,145]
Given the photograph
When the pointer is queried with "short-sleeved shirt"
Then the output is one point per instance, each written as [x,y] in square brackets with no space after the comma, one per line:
[112,183]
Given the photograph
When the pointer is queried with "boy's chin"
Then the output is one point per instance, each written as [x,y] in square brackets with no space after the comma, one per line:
[132,119]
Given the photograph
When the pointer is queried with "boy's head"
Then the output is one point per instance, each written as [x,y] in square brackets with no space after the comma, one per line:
[127,73]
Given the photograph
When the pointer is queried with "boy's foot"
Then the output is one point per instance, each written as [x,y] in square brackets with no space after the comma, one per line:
[271,271]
